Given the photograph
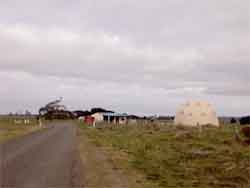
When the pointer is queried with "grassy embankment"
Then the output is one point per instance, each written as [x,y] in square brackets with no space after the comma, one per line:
[9,129]
[169,156]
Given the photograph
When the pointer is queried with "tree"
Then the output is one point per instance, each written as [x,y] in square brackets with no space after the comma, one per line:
[245,120]
[95,110]
[233,121]
[54,110]
[80,113]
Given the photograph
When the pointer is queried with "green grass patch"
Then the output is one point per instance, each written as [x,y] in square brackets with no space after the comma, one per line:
[171,156]
[9,129]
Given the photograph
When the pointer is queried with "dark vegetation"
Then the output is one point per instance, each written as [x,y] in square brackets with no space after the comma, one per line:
[60,114]
[54,110]
[80,113]
[233,120]
[245,120]
[95,110]
[245,131]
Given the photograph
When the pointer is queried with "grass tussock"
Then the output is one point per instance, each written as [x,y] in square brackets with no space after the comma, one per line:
[171,156]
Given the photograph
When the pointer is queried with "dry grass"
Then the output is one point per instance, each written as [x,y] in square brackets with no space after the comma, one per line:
[103,167]
[10,130]
[170,156]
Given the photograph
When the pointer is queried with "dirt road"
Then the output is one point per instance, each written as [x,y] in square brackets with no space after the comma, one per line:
[45,159]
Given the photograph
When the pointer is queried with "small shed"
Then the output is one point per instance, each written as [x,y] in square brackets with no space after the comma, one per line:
[98,116]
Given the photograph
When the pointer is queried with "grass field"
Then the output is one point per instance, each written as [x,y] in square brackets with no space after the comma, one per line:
[9,129]
[170,156]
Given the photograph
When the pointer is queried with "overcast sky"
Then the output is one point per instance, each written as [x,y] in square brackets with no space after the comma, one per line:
[136,56]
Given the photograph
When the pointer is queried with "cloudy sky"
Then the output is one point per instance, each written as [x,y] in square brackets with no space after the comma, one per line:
[137,56]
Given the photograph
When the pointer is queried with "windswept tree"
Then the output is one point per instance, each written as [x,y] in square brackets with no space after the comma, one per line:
[54,110]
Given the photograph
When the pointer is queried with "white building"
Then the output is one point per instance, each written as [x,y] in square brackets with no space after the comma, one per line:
[98,116]
[110,117]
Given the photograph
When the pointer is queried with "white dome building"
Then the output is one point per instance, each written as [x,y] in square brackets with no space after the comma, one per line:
[196,113]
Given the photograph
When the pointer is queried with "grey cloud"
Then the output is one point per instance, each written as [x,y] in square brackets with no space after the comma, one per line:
[165,48]
[230,89]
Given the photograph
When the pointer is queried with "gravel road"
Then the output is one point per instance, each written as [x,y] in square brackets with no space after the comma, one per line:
[44,159]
